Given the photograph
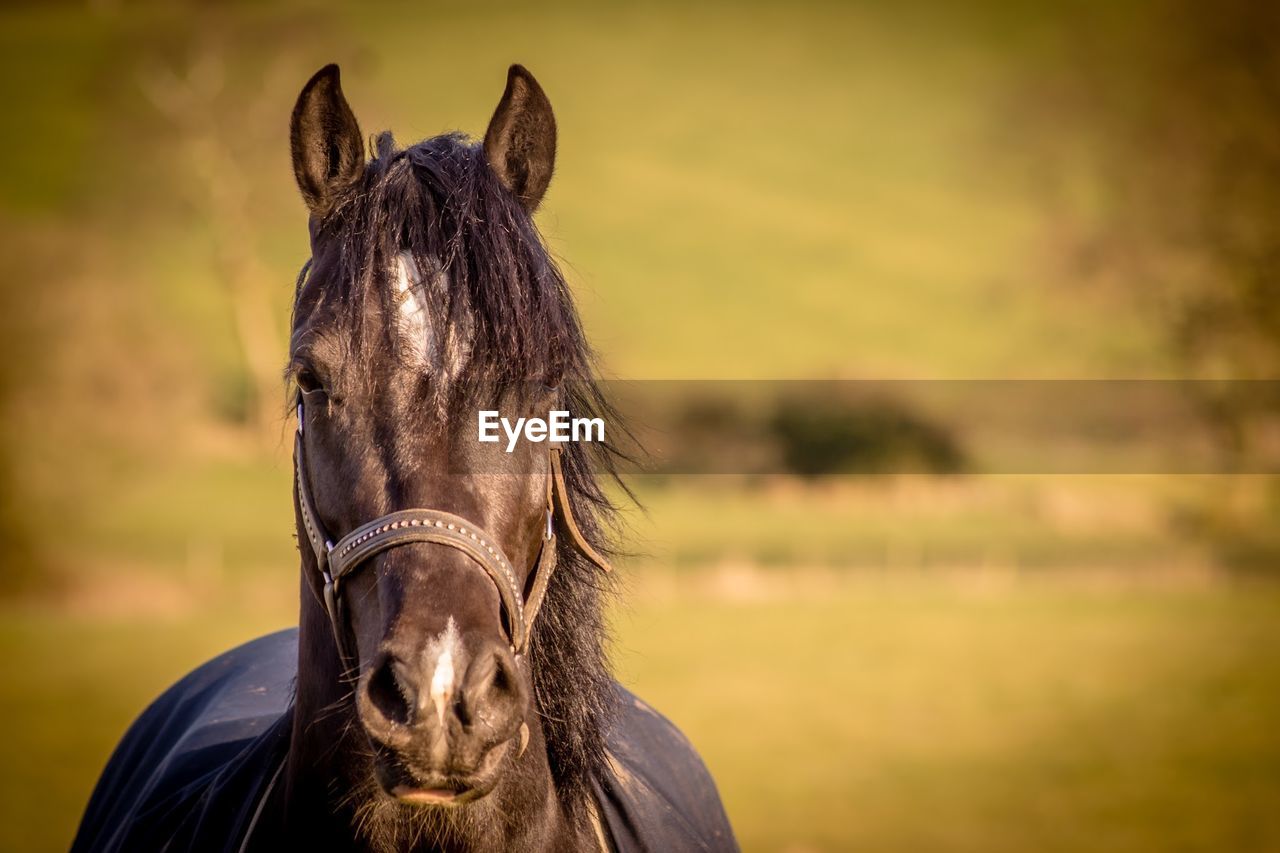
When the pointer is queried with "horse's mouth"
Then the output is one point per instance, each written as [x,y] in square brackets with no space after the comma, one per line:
[436,796]
[430,788]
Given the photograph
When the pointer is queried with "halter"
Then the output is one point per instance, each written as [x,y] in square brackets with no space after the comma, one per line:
[335,561]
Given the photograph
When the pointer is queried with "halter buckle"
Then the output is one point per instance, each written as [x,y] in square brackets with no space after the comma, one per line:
[550,531]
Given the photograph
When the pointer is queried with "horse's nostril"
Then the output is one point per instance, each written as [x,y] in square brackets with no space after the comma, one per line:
[492,690]
[502,678]
[391,692]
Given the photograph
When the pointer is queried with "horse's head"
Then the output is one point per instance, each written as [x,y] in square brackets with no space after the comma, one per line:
[430,294]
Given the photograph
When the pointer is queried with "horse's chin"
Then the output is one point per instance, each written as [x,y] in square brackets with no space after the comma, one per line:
[398,810]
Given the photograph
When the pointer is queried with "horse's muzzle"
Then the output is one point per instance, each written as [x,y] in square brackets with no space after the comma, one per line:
[442,721]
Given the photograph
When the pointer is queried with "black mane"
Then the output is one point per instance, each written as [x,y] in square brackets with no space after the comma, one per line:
[439,201]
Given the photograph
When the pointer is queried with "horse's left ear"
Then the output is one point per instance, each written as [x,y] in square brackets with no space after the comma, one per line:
[520,143]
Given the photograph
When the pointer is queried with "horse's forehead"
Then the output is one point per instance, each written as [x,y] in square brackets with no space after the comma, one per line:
[408,305]
[409,285]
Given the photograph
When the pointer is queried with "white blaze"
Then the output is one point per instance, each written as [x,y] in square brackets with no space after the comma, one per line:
[411,307]
[443,648]
[440,347]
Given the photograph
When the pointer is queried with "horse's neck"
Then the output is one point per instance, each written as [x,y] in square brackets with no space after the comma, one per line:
[327,781]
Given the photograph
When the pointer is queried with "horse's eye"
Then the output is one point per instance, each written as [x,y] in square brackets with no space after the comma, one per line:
[308,382]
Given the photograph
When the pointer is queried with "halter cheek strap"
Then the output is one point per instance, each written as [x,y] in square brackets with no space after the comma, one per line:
[335,561]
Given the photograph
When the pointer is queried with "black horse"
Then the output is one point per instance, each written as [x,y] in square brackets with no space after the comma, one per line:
[447,687]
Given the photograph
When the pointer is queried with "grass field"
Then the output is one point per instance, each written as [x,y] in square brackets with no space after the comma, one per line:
[821,190]
[948,711]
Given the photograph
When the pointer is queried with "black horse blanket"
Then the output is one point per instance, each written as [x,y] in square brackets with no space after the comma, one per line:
[192,772]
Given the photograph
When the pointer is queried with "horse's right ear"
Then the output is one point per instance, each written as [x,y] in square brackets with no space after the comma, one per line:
[328,150]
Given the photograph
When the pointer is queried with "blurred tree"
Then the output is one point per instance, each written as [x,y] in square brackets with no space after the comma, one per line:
[1179,107]
[1161,121]
[820,436]
[196,101]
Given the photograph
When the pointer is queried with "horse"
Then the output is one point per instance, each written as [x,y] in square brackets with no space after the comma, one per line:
[447,686]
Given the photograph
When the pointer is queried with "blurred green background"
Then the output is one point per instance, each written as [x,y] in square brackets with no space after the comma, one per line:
[808,190]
